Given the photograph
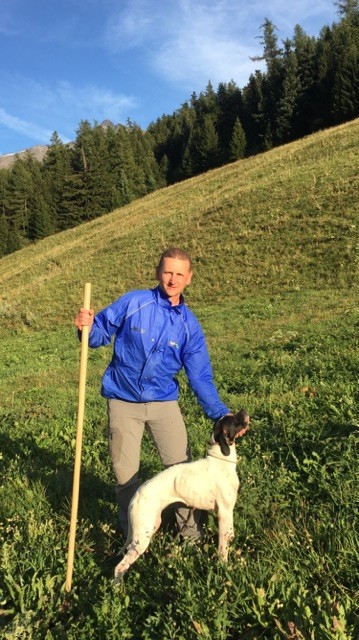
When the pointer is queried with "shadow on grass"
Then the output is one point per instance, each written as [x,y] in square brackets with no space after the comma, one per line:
[39,478]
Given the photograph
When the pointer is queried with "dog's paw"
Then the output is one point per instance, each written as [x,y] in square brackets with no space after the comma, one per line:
[118,577]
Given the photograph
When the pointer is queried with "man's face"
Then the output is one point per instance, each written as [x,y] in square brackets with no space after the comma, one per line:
[173,276]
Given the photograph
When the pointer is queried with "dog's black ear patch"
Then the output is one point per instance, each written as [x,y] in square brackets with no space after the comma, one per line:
[223,443]
[221,433]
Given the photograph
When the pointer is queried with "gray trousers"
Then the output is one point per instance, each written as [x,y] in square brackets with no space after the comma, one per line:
[164,423]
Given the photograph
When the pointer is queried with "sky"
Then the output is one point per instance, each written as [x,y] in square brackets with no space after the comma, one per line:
[64,61]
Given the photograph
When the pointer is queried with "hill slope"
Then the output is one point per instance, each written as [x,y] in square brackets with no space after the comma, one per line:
[285,220]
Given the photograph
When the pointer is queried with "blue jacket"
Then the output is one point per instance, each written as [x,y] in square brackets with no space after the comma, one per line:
[153,340]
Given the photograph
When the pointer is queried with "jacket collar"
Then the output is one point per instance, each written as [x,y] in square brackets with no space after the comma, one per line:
[164,301]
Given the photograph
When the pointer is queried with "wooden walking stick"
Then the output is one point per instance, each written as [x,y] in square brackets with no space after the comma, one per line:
[80,420]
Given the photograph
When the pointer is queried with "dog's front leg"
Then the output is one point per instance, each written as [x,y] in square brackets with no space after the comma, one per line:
[225,533]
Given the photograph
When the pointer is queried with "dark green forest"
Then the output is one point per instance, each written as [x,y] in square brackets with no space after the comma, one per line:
[309,84]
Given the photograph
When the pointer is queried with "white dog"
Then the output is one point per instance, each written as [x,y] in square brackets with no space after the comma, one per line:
[209,483]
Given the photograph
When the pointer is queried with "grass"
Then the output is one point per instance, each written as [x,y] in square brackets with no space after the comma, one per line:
[275,246]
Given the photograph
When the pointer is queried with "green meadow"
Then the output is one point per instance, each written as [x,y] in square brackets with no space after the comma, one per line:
[275,244]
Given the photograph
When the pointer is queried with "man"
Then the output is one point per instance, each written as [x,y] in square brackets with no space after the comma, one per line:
[155,335]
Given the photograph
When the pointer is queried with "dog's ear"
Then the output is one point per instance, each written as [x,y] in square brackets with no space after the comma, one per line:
[221,433]
[223,443]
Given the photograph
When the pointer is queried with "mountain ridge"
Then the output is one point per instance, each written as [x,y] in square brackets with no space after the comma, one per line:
[38,151]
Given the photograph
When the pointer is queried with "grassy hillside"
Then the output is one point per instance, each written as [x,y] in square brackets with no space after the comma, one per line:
[285,220]
[276,255]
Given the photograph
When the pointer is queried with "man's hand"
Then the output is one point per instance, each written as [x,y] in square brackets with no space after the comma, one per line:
[245,428]
[84,318]
[246,424]
[242,432]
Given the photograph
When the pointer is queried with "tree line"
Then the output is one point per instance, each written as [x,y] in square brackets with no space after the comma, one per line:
[309,84]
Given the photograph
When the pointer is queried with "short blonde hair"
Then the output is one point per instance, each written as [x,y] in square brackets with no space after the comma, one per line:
[175,252]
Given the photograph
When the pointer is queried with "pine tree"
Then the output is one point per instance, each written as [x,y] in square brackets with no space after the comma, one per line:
[17,196]
[237,147]
[186,169]
[171,136]
[15,238]
[322,94]
[163,166]
[304,47]
[91,162]
[70,212]
[348,8]
[287,109]
[254,122]
[230,108]
[4,234]
[4,227]
[122,165]
[204,145]
[272,85]
[146,174]
[206,104]
[56,169]
[345,92]
[271,52]
[41,223]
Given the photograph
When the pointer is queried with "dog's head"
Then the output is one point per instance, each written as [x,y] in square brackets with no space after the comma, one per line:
[228,428]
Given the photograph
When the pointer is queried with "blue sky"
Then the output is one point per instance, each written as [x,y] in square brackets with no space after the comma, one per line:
[63,61]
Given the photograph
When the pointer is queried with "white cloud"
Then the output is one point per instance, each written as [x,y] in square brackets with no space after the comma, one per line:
[93,102]
[204,45]
[192,41]
[27,128]
[186,41]
[35,109]
[161,49]
[131,26]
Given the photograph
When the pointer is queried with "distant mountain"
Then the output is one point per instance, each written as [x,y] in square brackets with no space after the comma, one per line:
[37,152]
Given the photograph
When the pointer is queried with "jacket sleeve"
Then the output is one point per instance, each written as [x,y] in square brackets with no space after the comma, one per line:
[198,368]
[107,322]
